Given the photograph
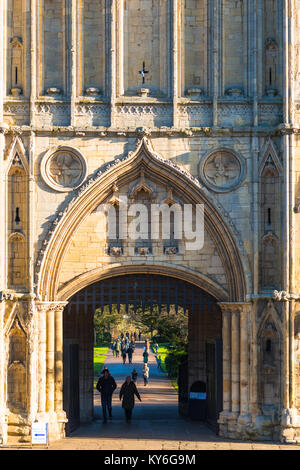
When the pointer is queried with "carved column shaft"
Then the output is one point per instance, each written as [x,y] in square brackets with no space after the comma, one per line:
[215,62]
[50,360]
[32,342]
[73,60]
[175,62]
[3,425]
[2,56]
[254,65]
[2,354]
[42,358]
[235,336]
[33,59]
[226,336]
[253,361]
[112,63]
[244,361]
[59,357]
[235,361]
[2,141]
[2,210]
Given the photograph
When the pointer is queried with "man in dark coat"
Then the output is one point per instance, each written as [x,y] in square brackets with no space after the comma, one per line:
[130,352]
[127,392]
[106,385]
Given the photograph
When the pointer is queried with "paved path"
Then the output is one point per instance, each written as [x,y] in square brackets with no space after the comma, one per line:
[156,424]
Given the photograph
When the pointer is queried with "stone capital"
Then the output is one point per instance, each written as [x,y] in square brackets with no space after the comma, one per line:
[50,306]
[235,307]
[284,296]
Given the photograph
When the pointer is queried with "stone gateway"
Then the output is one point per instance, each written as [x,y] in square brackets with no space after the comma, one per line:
[215,122]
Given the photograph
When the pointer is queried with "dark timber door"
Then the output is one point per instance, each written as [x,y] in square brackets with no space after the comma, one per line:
[214,382]
[71,386]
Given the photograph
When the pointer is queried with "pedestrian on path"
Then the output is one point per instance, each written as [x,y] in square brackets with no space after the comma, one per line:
[146,374]
[127,392]
[130,352]
[134,375]
[106,386]
[146,357]
[118,348]
[124,355]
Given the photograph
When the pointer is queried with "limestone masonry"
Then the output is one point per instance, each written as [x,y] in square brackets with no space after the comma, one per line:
[216,122]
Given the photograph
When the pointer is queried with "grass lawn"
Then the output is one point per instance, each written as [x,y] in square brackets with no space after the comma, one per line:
[100,353]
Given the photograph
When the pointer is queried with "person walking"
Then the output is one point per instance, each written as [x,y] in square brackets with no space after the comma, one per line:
[127,393]
[146,374]
[124,355]
[118,348]
[130,352]
[134,375]
[146,357]
[147,345]
[106,386]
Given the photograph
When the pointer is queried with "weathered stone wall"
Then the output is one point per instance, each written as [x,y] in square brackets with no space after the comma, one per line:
[220,108]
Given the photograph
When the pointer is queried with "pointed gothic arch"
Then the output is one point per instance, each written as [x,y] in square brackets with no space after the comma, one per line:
[145,160]
[16,154]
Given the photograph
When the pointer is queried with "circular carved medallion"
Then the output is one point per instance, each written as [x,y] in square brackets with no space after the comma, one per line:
[222,170]
[63,169]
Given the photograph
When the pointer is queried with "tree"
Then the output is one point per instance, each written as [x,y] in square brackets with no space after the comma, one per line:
[105,322]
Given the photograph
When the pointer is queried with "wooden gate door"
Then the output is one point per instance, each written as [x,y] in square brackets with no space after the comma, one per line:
[214,382]
[71,386]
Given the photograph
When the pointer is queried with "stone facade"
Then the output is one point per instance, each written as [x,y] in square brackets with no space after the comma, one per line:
[216,122]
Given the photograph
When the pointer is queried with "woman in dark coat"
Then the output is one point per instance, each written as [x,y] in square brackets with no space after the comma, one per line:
[127,392]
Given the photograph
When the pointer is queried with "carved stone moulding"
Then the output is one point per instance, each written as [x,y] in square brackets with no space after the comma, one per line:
[171,250]
[16,91]
[63,168]
[143,250]
[222,170]
[53,91]
[271,92]
[115,251]
[93,91]
[194,92]
[235,92]
[143,92]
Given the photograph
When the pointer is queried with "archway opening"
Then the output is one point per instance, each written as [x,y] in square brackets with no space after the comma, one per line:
[131,295]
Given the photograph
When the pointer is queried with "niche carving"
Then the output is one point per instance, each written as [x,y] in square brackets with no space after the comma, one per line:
[16,369]
[270,219]
[17,210]
[270,370]
[271,66]
[16,66]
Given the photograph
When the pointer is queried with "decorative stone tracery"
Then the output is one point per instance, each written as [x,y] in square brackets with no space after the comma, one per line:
[222,170]
[63,169]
